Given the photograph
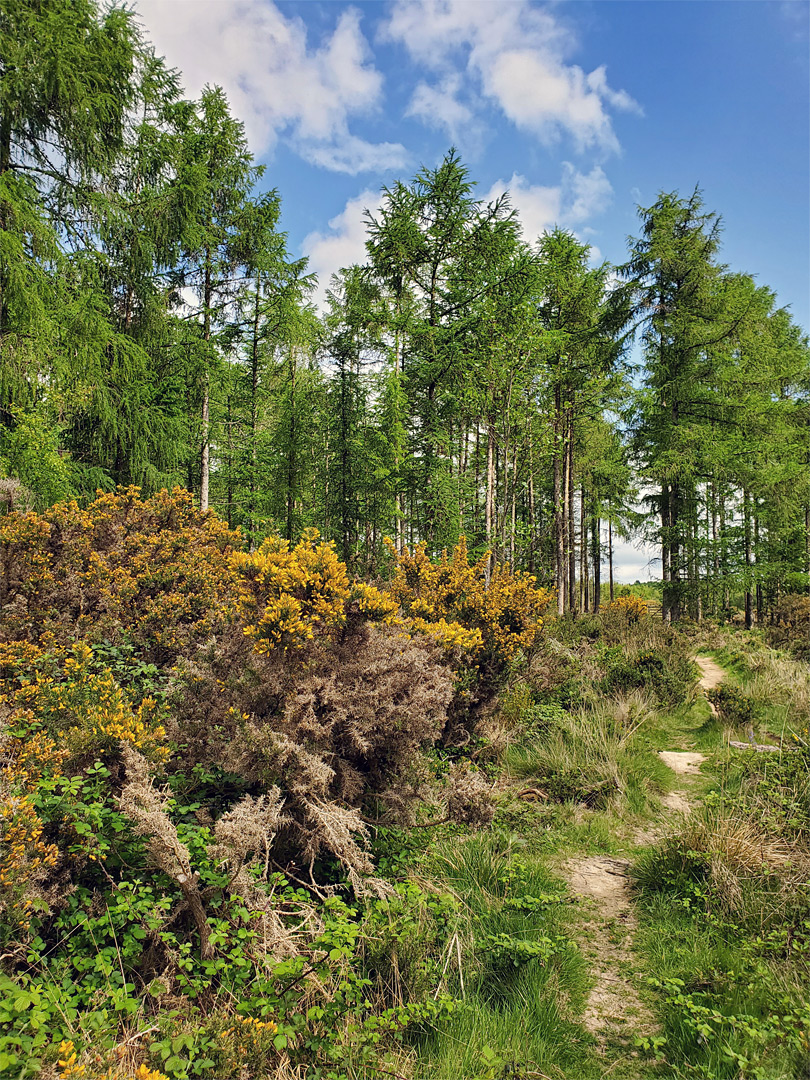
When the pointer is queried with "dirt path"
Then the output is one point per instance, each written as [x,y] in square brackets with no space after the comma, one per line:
[687,762]
[614,1009]
[711,674]
[682,762]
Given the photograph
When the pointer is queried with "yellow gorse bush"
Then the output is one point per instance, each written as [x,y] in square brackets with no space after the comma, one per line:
[632,607]
[293,592]
[158,568]
[69,1067]
[24,855]
[455,601]
[87,709]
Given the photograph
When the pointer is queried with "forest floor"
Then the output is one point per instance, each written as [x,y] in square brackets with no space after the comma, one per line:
[616,1013]
[642,936]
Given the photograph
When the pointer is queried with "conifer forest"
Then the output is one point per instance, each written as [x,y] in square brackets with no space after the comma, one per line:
[330,745]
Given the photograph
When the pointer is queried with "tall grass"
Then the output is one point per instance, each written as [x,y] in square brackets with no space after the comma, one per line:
[725,902]
[596,755]
[520,979]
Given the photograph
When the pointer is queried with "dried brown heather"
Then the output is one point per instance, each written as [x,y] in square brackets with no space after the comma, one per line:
[325,726]
[145,805]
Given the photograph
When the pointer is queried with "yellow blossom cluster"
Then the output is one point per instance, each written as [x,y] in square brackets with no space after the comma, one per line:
[246,1037]
[26,759]
[631,607]
[373,603]
[68,1067]
[87,708]
[158,568]
[249,1024]
[450,635]
[492,610]
[23,855]
[16,656]
[293,592]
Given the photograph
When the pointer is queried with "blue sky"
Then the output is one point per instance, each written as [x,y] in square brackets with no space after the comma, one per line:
[582,110]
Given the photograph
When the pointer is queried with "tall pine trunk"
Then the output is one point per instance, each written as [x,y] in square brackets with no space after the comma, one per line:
[205,434]
[596,555]
[749,612]
[490,495]
[559,507]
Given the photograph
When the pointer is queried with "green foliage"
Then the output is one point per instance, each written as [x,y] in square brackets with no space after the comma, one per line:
[669,677]
[592,756]
[734,705]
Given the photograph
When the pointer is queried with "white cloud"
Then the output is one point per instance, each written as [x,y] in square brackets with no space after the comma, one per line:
[276,83]
[516,55]
[439,107]
[589,193]
[632,562]
[538,207]
[576,199]
[344,243]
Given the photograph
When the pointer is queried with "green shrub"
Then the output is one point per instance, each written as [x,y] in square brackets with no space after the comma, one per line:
[668,674]
[591,755]
[734,706]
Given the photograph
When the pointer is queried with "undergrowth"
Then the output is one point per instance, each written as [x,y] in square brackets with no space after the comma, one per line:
[725,900]
[261,821]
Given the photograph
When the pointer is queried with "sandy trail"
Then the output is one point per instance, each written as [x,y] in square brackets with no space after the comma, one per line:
[614,1007]
[682,762]
[711,674]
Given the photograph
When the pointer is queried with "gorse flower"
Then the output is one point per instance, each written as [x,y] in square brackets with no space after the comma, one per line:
[632,608]
[490,616]
[64,696]
[293,592]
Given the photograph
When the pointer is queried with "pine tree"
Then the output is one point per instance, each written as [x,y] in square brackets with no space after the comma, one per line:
[214,176]
[678,303]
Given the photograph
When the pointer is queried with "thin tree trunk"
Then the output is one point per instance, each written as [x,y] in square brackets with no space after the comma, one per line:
[597,564]
[749,614]
[571,531]
[559,509]
[666,598]
[477,501]
[715,553]
[254,416]
[724,555]
[514,509]
[292,463]
[610,555]
[205,450]
[675,552]
[583,554]
[530,497]
[490,495]
[229,451]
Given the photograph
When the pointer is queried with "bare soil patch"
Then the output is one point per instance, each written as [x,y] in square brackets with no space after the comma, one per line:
[614,1007]
[676,802]
[711,674]
[683,762]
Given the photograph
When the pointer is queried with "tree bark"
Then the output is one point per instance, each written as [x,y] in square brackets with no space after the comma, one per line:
[666,597]
[749,612]
[205,435]
[559,508]
[597,564]
[490,495]
[583,555]
[571,530]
